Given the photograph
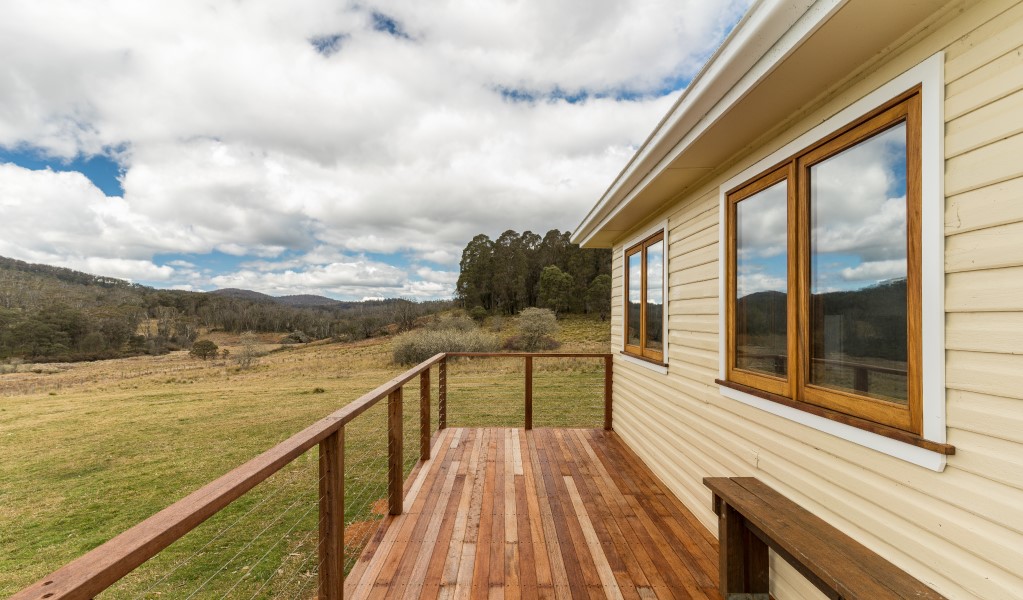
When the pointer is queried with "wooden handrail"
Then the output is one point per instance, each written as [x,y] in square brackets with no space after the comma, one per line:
[530,354]
[98,569]
[101,567]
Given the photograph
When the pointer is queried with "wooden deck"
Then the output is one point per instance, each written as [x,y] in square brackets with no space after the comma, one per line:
[547,513]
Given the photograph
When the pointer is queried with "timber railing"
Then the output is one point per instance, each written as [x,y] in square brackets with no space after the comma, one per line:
[102,567]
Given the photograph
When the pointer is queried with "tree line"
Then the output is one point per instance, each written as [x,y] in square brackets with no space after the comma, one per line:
[520,270]
[54,314]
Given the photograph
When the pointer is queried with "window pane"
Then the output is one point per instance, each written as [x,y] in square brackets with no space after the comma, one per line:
[858,269]
[655,296]
[635,291]
[761,283]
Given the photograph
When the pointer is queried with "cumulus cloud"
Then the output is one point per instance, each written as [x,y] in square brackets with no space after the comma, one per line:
[858,212]
[283,132]
[875,271]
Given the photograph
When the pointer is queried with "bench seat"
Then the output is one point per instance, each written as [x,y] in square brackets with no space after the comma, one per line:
[753,517]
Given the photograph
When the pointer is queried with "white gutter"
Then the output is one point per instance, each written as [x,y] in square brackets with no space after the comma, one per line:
[748,55]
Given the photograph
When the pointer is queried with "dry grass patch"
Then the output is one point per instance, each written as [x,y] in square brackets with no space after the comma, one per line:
[90,449]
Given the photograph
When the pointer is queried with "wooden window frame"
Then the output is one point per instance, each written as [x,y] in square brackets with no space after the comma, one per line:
[795,389]
[641,351]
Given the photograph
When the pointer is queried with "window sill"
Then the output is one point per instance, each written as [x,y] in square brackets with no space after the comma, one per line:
[643,361]
[894,442]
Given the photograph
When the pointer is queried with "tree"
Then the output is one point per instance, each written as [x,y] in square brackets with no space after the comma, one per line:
[248,355]
[536,328]
[204,349]
[598,296]
[476,273]
[404,314]
[555,289]
[478,314]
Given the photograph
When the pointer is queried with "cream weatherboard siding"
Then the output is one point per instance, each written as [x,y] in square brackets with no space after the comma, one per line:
[960,530]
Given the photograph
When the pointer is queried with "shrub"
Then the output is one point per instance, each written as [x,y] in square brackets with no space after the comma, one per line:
[478,314]
[452,322]
[296,337]
[536,325]
[204,349]
[417,346]
[517,344]
[249,353]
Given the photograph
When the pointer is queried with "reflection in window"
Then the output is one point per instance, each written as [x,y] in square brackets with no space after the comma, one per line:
[635,297]
[655,296]
[761,286]
[644,282]
[858,325]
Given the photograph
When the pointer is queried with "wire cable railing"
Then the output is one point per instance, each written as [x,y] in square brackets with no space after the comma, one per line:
[271,529]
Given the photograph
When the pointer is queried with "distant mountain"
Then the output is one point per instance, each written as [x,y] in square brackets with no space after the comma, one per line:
[244,295]
[307,300]
[296,301]
[55,314]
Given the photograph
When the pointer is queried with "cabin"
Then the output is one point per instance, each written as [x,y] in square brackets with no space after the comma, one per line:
[818,282]
[815,380]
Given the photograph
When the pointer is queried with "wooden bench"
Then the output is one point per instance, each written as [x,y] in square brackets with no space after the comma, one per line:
[753,517]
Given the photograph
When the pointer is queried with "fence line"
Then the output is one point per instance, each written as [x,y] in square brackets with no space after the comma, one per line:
[98,569]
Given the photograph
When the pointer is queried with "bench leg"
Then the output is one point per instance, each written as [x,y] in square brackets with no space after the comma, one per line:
[742,558]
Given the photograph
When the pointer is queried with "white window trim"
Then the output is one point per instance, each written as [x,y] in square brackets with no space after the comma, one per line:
[929,74]
[635,239]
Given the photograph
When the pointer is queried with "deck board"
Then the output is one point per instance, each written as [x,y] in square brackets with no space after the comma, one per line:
[547,513]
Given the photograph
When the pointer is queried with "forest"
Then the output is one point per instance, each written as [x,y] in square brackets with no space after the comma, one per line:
[56,314]
[517,271]
[866,323]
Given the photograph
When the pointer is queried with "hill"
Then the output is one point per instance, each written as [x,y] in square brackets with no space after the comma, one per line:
[55,314]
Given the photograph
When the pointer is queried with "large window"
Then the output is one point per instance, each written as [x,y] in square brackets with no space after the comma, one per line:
[823,281]
[644,298]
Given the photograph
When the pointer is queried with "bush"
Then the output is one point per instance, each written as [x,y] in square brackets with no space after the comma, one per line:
[517,344]
[417,346]
[536,326]
[204,349]
[451,322]
[296,337]
[478,314]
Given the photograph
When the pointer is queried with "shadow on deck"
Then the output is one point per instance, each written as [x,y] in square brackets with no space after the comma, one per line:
[545,513]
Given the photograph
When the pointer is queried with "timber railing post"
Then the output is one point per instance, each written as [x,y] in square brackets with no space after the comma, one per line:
[424,415]
[442,393]
[608,374]
[395,466]
[332,516]
[529,392]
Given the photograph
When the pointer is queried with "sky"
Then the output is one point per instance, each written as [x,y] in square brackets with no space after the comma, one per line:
[858,228]
[325,147]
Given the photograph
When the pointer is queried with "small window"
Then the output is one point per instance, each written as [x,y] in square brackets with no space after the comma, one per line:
[644,284]
[823,290]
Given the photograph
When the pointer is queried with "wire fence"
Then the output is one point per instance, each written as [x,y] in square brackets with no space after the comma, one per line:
[490,391]
[251,549]
[265,544]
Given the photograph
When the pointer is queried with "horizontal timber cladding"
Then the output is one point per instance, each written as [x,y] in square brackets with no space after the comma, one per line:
[961,530]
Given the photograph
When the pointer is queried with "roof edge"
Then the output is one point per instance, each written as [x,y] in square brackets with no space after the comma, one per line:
[749,43]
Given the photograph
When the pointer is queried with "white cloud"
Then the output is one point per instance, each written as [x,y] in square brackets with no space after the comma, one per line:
[238,136]
[875,271]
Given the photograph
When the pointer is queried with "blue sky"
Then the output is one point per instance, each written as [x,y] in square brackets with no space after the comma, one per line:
[349,150]
[858,234]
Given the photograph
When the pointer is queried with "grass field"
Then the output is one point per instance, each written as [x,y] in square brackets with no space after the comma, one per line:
[91,449]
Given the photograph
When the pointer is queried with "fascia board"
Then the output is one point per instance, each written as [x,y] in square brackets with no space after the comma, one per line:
[771,31]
